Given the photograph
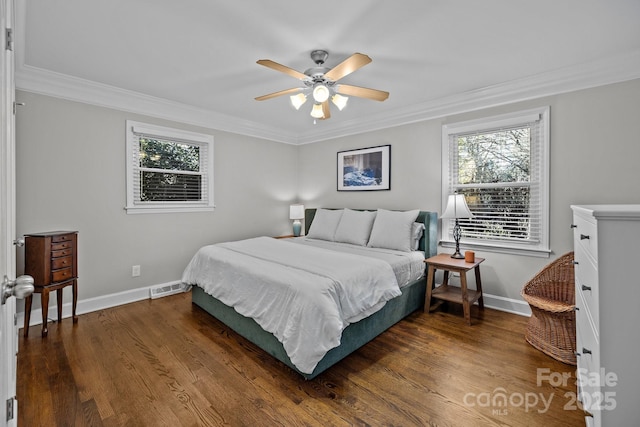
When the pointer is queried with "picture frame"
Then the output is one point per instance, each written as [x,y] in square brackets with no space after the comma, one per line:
[364,169]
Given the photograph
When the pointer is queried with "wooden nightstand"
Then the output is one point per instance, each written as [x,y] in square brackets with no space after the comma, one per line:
[445,292]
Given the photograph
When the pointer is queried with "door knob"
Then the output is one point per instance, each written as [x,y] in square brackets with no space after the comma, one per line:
[20,288]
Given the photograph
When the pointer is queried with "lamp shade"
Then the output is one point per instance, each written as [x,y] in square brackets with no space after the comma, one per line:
[297,100]
[316,111]
[339,101]
[457,207]
[296,212]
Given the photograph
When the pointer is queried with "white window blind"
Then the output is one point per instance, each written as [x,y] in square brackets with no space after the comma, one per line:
[168,170]
[500,164]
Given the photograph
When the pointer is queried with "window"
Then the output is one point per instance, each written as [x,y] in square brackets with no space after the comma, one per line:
[501,165]
[168,170]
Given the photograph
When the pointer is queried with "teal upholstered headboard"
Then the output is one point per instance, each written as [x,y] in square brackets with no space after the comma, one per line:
[428,243]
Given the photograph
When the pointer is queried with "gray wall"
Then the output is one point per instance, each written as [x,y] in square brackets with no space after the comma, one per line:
[71,175]
[595,158]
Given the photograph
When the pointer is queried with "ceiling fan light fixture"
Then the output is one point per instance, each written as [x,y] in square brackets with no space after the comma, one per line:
[297,100]
[316,111]
[339,101]
[321,83]
[320,93]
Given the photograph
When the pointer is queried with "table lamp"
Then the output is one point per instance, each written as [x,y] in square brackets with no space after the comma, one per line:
[296,213]
[457,208]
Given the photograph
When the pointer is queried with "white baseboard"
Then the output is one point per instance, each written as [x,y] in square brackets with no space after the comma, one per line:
[92,304]
[113,300]
[509,305]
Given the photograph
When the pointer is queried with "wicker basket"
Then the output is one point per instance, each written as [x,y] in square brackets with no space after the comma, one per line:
[551,296]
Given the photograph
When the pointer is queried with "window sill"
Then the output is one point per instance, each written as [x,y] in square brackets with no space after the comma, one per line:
[532,252]
[168,209]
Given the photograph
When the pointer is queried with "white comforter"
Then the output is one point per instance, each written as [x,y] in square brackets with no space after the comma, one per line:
[303,295]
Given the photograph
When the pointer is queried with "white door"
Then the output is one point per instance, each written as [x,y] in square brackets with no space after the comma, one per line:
[8,329]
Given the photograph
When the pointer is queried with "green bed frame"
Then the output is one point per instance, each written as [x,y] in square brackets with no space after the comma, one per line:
[356,334]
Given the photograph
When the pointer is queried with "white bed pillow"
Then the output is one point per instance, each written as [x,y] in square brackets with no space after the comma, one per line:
[355,227]
[324,224]
[393,230]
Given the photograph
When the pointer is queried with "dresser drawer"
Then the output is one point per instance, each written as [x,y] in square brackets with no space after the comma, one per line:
[62,253]
[62,238]
[61,245]
[585,237]
[587,285]
[58,263]
[587,343]
[61,275]
[588,372]
[588,337]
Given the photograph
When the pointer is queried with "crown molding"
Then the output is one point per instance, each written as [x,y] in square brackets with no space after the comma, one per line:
[44,82]
[597,73]
[589,75]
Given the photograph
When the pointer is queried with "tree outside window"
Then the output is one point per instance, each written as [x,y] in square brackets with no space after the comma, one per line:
[169,171]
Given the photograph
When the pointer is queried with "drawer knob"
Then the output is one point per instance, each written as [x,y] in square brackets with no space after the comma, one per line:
[586,288]
[576,263]
[576,308]
[577,354]
[574,226]
[586,351]
[584,237]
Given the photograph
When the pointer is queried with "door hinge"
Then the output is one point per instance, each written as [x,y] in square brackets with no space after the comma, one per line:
[10,409]
[18,242]
[9,38]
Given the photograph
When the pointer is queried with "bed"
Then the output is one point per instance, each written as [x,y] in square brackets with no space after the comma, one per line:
[363,325]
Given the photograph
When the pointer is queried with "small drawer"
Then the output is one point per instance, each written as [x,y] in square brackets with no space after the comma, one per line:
[586,276]
[587,344]
[61,275]
[588,389]
[61,245]
[585,236]
[58,263]
[61,253]
[62,238]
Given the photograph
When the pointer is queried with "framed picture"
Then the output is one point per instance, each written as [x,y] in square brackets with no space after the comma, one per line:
[365,169]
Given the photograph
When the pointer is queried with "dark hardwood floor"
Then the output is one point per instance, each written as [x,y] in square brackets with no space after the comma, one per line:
[166,362]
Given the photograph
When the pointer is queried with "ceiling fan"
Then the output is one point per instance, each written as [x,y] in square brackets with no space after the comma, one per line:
[322,83]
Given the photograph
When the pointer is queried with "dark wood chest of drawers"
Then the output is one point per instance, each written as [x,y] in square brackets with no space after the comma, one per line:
[51,258]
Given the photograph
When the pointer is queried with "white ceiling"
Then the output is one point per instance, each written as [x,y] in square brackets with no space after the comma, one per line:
[195,60]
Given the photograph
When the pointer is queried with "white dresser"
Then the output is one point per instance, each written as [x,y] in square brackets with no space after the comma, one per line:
[607,273]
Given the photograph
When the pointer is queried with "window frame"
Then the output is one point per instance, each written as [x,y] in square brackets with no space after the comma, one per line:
[135,205]
[541,249]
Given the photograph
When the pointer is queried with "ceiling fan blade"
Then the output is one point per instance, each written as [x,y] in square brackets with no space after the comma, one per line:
[325,110]
[348,66]
[279,93]
[362,92]
[283,69]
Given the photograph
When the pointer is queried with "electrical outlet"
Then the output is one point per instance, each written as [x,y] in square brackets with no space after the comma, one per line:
[135,271]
